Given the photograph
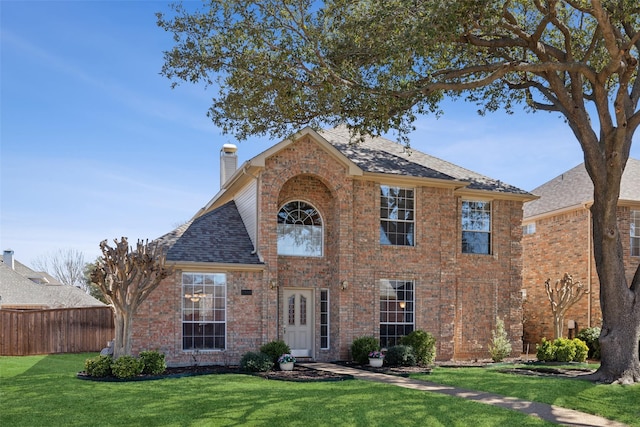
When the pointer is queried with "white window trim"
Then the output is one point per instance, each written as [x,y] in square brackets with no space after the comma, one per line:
[323,229]
[414,221]
[226,315]
[490,232]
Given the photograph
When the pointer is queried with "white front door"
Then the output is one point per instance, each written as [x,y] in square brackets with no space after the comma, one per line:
[298,321]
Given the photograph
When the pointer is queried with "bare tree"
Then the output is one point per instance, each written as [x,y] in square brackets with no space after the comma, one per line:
[126,278]
[563,295]
[66,265]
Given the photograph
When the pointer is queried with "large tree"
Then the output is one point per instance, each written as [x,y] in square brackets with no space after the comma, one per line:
[66,265]
[377,64]
[126,277]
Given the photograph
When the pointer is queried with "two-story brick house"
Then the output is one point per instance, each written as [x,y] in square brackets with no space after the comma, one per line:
[317,241]
[558,239]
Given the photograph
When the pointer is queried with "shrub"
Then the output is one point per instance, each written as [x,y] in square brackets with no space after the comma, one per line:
[256,362]
[361,347]
[400,355]
[582,350]
[591,336]
[424,346]
[545,351]
[275,349]
[152,362]
[565,349]
[126,367]
[500,346]
[99,366]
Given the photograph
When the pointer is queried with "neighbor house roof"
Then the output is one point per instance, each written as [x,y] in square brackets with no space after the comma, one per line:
[574,188]
[22,287]
[218,236]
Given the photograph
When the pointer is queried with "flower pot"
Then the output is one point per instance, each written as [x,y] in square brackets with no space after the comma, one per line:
[375,363]
[287,366]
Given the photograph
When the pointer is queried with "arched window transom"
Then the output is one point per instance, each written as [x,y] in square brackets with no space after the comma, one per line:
[299,230]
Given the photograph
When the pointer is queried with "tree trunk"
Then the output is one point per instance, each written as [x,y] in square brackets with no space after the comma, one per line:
[620,310]
[122,342]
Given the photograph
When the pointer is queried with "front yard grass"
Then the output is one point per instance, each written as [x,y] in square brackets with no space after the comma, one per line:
[614,402]
[44,390]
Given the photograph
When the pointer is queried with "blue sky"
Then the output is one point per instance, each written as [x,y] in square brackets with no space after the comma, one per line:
[96,145]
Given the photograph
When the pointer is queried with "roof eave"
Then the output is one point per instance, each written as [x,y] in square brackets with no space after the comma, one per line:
[489,194]
[388,178]
[215,266]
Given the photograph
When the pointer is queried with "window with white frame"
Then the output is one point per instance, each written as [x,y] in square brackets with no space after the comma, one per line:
[204,311]
[396,310]
[300,230]
[476,227]
[396,216]
[529,228]
[324,319]
[634,225]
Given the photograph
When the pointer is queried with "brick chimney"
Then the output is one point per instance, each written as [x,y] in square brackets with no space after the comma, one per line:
[7,257]
[228,162]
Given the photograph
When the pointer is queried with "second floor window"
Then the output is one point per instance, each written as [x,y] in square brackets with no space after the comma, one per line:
[299,230]
[634,225]
[476,227]
[396,216]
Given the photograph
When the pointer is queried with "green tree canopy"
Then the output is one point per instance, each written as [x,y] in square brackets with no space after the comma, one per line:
[376,65]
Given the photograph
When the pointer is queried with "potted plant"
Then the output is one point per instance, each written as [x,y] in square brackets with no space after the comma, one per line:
[376,358]
[286,362]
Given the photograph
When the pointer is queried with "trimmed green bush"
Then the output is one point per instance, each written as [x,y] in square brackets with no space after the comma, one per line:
[275,349]
[565,349]
[256,362]
[99,366]
[562,350]
[591,336]
[361,347]
[545,351]
[424,346]
[400,355]
[582,350]
[125,367]
[500,346]
[153,362]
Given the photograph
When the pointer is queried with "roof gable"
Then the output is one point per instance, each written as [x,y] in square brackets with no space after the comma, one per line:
[218,236]
[574,188]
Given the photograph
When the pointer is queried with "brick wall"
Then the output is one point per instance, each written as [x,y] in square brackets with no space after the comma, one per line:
[562,244]
[458,296]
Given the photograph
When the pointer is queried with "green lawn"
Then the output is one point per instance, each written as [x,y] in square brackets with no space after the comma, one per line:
[43,390]
[615,402]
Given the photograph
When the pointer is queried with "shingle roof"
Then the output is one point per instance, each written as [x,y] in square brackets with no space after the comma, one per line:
[574,187]
[16,289]
[377,154]
[218,236]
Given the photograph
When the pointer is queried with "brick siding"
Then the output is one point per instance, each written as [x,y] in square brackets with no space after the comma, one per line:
[458,296]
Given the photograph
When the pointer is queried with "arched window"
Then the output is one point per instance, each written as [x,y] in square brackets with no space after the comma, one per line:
[299,230]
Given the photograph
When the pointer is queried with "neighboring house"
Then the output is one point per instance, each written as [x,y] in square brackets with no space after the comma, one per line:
[22,288]
[558,239]
[317,242]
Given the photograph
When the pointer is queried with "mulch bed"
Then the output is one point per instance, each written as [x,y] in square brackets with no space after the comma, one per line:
[299,373]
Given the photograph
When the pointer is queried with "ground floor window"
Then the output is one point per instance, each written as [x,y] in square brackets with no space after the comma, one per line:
[396,310]
[324,319]
[204,311]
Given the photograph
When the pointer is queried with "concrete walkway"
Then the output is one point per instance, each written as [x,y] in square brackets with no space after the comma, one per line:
[554,414]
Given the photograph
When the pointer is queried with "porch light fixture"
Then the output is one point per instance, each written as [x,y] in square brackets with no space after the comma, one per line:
[344,285]
[273,283]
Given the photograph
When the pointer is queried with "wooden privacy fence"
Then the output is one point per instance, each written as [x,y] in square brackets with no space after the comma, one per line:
[61,330]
